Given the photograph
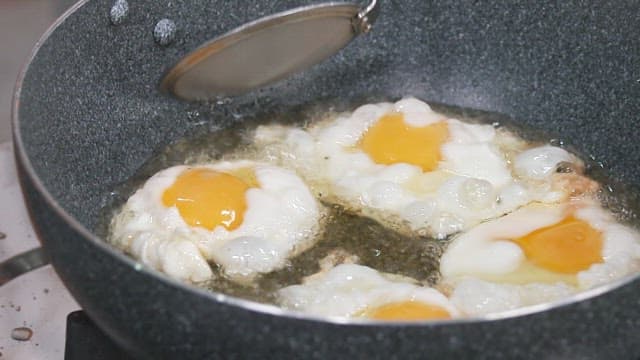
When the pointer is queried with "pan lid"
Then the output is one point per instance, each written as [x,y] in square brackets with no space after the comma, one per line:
[268,49]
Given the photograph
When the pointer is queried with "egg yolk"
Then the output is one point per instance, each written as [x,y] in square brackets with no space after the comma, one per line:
[390,140]
[408,311]
[568,247]
[208,198]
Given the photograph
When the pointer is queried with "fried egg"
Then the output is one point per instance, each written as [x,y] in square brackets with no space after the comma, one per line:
[403,162]
[356,291]
[538,253]
[247,218]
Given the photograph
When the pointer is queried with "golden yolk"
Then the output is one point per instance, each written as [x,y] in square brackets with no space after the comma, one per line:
[208,198]
[568,247]
[409,311]
[391,140]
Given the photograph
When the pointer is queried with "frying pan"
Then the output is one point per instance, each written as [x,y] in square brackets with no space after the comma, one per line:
[88,113]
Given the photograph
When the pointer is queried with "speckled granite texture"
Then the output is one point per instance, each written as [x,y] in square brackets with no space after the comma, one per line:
[90,114]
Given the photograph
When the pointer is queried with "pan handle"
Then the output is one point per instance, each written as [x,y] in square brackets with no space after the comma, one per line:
[22,263]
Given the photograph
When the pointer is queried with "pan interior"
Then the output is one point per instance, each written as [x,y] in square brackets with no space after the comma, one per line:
[386,249]
[91,114]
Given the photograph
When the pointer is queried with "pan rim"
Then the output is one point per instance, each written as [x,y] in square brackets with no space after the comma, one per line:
[20,154]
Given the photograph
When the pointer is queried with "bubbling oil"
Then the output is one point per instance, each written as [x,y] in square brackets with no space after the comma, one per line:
[384,248]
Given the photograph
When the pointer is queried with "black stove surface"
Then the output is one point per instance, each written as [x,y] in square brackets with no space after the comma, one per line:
[87,341]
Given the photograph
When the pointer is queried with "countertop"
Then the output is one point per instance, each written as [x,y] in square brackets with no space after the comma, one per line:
[37,300]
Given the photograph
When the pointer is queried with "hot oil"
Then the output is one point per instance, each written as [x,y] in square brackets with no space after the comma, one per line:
[377,246]
[374,245]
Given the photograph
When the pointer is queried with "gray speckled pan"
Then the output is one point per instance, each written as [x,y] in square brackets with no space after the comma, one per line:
[88,113]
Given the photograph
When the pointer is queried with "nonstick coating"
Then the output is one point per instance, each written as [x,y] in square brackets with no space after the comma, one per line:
[88,113]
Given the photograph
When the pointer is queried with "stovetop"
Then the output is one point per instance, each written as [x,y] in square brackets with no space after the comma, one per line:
[87,341]
[34,306]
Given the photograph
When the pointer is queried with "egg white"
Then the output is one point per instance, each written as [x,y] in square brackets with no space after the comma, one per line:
[281,220]
[620,250]
[348,290]
[477,297]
